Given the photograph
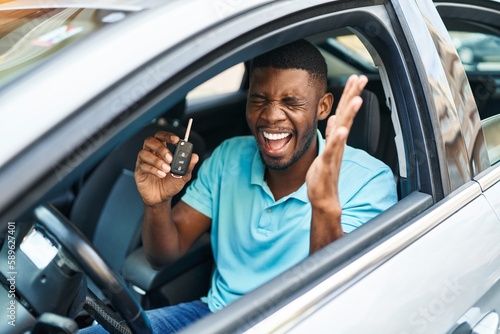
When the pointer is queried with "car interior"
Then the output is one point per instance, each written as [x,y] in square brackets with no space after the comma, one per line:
[96,203]
[99,201]
[101,196]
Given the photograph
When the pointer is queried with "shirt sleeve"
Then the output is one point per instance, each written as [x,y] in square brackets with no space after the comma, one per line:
[376,193]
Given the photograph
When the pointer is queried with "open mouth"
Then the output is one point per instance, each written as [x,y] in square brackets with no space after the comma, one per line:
[276,142]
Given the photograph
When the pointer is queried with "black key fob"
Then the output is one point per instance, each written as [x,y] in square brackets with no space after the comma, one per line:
[182,154]
[182,157]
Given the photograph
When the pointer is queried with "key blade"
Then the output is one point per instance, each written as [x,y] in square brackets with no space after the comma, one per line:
[188,130]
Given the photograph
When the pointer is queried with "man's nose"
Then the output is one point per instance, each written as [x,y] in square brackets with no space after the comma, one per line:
[273,113]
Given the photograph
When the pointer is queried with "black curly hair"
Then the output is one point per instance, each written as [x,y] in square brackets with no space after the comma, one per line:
[301,55]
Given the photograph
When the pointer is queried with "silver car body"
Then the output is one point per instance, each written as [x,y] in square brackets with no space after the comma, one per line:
[437,265]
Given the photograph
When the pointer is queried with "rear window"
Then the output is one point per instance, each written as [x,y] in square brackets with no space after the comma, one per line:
[477,51]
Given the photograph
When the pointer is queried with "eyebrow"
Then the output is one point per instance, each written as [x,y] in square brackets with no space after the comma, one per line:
[258,96]
[286,98]
[293,99]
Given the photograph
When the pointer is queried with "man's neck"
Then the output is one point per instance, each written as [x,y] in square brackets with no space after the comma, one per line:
[286,181]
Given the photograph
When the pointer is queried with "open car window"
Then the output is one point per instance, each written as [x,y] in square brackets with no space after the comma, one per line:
[480,56]
[228,81]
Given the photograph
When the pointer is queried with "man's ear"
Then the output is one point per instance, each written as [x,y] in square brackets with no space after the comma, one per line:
[325,106]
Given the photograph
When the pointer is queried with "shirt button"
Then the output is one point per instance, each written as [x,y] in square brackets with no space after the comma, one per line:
[269,210]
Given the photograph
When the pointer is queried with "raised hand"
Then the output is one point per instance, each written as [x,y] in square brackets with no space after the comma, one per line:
[323,175]
[152,169]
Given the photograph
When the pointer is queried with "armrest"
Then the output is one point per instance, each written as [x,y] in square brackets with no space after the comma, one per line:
[137,270]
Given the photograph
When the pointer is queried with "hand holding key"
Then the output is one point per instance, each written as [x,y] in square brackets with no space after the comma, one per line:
[159,175]
[182,155]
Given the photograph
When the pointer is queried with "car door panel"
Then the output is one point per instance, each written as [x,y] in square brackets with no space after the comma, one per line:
[475,317]
[427,286]
[490,183]
[493,196]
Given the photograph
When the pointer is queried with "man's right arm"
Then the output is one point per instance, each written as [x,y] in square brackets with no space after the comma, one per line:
[167,232]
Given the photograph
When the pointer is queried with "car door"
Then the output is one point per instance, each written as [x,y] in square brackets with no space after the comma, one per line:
[426,273]
[481,21]
[452,289]
[419,266]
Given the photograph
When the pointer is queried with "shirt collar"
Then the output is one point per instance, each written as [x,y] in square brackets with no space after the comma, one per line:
[258,170]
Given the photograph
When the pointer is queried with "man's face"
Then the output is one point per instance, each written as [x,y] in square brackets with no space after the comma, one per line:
[281,112]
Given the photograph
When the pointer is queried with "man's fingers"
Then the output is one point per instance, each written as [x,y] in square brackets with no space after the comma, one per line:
[155,157]
[355,84]
[350,111]
[338,129]
[157,147]
[350,101]
[353,88]
[167,137]
[346,118]
[194,160]
[150,163]
[334,148]
[361,82]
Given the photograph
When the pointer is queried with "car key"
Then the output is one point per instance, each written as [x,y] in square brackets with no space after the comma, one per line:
[182,154]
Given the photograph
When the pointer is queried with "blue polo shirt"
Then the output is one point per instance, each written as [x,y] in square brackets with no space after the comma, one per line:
[255,238]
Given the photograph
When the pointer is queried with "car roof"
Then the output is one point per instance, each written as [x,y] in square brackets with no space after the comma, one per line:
[131,5]
[47,83]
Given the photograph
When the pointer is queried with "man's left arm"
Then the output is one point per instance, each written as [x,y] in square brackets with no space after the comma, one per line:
[322,178]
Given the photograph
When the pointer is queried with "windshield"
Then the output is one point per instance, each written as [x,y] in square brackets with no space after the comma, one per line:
[28,36]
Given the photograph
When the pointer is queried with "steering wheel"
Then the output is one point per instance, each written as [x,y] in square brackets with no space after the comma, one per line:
[94,266]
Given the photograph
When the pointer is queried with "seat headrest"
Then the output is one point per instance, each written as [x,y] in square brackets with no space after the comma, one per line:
[365,131]
[175,113]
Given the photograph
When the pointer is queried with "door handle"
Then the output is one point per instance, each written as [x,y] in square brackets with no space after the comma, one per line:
[487,325]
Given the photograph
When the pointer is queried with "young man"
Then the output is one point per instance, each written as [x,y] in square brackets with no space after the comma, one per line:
[269,199]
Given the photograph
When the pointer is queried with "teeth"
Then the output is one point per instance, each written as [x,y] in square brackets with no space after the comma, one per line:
[275,136]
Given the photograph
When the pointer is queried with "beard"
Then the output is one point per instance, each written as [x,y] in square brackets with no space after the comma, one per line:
[304,143]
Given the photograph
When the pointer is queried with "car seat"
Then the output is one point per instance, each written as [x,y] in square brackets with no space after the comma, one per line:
[108,208]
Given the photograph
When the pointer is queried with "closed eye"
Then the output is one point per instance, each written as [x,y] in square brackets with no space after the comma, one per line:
[293,101]
[257,99]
